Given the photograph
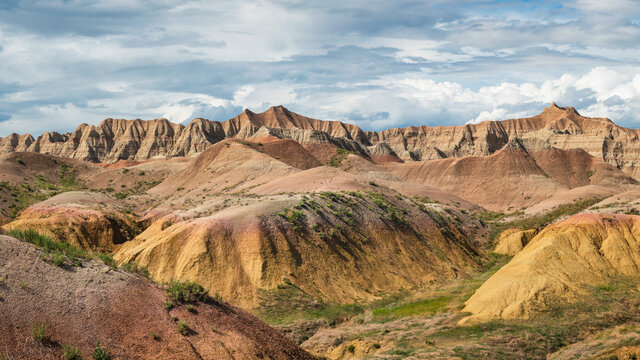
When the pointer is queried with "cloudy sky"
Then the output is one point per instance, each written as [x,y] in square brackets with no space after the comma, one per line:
[376,63]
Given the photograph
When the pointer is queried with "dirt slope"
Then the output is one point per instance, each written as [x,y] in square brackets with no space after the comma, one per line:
[82,305]
[510,178]
[557,263]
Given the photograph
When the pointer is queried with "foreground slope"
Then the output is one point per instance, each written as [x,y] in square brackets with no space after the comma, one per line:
[557,264]
[82,305]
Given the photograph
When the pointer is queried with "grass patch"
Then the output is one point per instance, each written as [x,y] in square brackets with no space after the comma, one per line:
[338,157]
[186,292]
[427,306]
[101,353]
[71,353]
[534,222]
[38,331]
[183,328]
[52,249]
[135,268]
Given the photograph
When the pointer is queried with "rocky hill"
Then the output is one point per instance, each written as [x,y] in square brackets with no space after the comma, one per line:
[559,127]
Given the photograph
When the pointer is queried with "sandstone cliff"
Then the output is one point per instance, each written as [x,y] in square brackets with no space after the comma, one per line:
[559,127]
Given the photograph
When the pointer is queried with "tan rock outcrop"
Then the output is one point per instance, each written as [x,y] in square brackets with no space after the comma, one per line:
[511,241]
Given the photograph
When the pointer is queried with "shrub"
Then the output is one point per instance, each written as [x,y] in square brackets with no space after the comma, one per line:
[101,353]
[108,260]
[135,268]
[186,291]
[190,308]
[155,336]
[373,183]
[49,245]
[71,353]
[58,258]
[141,173]
[19,161]
[168,305]
[351,348]
[183,328]
[38,331]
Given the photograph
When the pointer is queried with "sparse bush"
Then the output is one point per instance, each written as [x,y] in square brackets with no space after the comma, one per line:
[293,217]
[183,328]
[155,336]
[19,161]
[125,170]
[71,352]
[51,246]
[190,308]
[107,259]
[141,173]
[135,268]
[351,348]
[187,292]
[38,331]
[168,305]
[58,258]
[372,183]
[101,353]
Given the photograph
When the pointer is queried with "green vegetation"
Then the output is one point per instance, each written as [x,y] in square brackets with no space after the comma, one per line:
[135,268]
[288,303]
[139,188]
[168,305]
[19,161]
[294,218]
[71,353]
[186,292]
[421,307]
[183,328]
[190,308]
[337,158]
[392,213]
[351,348]
[155,336]
[60,252]
[67,177]
[101,353]
[108,260]
[534,222]
[39,332]
[53,250]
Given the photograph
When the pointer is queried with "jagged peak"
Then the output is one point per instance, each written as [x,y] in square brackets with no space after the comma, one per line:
[554,107]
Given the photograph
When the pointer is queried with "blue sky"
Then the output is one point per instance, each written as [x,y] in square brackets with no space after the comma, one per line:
[379,64]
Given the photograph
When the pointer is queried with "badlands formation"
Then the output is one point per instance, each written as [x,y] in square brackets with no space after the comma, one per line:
[503,239]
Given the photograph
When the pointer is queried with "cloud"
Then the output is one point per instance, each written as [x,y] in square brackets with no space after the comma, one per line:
[376,63]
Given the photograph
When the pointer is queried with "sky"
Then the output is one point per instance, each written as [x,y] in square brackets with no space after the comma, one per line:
[379,64]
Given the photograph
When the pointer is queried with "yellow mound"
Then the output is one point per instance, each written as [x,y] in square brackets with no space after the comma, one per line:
[511,241]
[582,250]
[88,220]
[335,246]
